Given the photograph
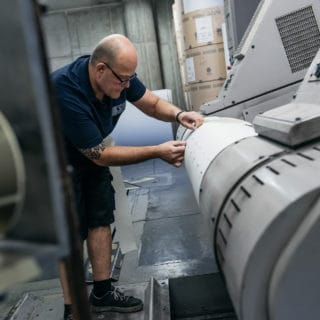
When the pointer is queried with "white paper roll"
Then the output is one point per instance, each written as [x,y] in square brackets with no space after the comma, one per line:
[191,5]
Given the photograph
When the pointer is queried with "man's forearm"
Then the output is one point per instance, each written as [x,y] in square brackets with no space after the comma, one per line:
[157,108]
[166,111]
[123,155]
[104,155]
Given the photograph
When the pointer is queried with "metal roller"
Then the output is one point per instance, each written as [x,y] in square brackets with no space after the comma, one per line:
[256,195]
[259,186]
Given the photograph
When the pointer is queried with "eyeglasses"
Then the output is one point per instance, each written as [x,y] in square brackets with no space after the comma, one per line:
[123,82]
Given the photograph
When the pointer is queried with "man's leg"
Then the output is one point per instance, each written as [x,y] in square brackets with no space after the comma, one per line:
[65,290]
[64,283]
[104,297]
[99,244]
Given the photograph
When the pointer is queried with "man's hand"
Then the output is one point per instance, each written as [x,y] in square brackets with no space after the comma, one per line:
[190,120]
[172,152]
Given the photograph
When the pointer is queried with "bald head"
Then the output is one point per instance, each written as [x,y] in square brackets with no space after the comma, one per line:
[115,49]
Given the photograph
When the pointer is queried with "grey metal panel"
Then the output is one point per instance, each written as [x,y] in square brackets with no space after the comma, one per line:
[56,63]
[141,31]
[261,68]
[171,77]
[149,70]
[256,108]
[140,22]
[250,108]
[157,303]
[297,122]
[117,19]
[238,16]
[57,35]
[71,4]
[168,50]
[73,32]
[88,27]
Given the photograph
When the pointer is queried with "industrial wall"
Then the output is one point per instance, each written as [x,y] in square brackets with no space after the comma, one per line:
[72,28]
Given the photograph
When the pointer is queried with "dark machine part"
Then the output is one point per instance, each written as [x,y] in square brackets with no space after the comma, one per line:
[25,104]
[36,201]
[237,16]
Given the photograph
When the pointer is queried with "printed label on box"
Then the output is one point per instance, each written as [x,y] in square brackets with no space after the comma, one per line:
[204,29]
[191,75]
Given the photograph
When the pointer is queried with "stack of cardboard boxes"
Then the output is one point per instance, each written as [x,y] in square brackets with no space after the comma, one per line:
[203,58]
[177,10]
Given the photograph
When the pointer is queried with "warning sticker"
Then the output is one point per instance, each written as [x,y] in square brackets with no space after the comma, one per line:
[191,76]
[204,29]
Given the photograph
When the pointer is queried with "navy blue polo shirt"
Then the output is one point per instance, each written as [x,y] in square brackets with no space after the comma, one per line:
[87,121]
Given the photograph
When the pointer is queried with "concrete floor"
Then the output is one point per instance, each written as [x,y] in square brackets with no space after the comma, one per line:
[173,240]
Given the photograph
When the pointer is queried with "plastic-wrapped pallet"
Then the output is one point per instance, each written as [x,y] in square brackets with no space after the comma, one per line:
[204,64]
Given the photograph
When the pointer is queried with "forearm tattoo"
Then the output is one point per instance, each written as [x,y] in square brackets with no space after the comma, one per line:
[94,153]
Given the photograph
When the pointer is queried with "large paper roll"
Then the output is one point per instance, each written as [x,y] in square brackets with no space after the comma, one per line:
[191,5]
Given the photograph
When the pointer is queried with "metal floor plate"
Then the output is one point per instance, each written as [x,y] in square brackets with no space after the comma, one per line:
[200,297]
[48,304]
[174,240]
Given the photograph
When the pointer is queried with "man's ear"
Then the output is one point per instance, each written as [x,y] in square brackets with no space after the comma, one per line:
[100,67]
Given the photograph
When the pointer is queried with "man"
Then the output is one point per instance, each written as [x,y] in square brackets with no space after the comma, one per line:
[92,92]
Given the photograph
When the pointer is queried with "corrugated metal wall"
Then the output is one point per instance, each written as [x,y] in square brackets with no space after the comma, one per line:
[140,28]
[73,28]
[168,50]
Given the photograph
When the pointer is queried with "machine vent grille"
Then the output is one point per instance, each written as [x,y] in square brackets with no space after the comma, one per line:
[300,36]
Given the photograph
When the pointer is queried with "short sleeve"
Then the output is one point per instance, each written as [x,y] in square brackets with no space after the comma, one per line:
[136,90]
[78,125]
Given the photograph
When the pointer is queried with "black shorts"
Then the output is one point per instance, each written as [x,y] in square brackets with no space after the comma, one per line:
[94,196]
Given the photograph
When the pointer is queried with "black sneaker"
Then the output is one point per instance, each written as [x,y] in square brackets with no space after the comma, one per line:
[115,300]
[68,317]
